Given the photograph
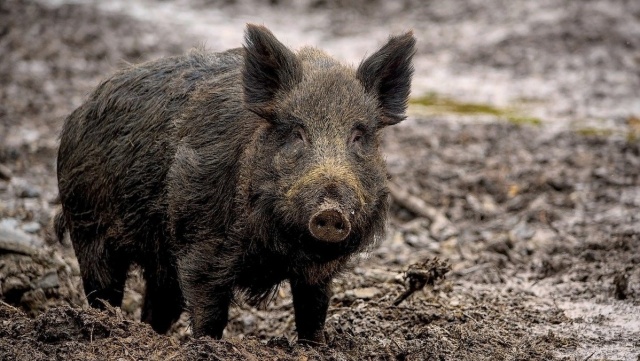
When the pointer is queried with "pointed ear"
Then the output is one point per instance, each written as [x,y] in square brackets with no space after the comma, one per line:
[387,75]
[269,68]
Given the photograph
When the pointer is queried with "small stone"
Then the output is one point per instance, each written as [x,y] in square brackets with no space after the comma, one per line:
[14,239]
[365,293]
[248,321]
[31,227]
[376,274]
[49,280]
[523,232]
[29,192]
[24,189]
[9,223]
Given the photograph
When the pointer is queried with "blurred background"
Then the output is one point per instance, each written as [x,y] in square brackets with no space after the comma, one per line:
[519,164]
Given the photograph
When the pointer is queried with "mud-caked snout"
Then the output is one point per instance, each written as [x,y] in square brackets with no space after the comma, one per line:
[329,224]
[327,200]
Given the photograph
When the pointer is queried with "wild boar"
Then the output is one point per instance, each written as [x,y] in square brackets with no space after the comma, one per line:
[225,174]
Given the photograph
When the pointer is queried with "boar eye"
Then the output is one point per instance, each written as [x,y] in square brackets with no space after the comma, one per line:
[299,135]
[356,136]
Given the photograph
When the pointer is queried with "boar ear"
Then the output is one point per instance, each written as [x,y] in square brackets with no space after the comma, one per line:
[269,67]
[387,75]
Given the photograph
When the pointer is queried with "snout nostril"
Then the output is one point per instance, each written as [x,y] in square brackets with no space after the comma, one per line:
[329,225]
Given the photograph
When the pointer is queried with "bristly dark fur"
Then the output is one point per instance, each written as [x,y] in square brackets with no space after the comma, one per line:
[388,73]
[207,170]
[269,68]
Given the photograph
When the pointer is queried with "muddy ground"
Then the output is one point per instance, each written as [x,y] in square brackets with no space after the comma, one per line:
[518,168]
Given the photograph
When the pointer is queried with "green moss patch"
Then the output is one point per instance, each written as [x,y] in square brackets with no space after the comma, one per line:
[439,104]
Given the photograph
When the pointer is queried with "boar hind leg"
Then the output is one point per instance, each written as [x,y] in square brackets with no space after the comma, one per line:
[310,303]
[163,299]
[104,271]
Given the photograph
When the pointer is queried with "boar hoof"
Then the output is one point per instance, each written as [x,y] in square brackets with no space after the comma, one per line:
[329,225]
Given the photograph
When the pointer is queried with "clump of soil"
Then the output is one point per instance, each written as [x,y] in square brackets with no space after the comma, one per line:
[422,274]
[66,333]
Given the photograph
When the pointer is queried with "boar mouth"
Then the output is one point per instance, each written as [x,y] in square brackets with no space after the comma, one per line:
[329,224]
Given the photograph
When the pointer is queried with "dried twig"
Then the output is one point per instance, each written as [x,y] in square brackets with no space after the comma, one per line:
[472,269]
[441,226]
[412,203]
[8,306]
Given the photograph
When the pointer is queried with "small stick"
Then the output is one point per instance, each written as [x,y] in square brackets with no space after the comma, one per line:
[413,203]
[422,209]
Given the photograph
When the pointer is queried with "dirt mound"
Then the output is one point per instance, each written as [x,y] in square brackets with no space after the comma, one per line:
[66,333]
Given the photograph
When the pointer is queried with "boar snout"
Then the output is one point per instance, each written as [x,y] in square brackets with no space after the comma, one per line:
[329,224]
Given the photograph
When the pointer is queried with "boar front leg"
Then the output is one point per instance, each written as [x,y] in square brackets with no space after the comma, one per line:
[310,302]
[207,277]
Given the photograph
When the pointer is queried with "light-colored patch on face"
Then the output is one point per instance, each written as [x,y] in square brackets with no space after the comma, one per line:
[326,172]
